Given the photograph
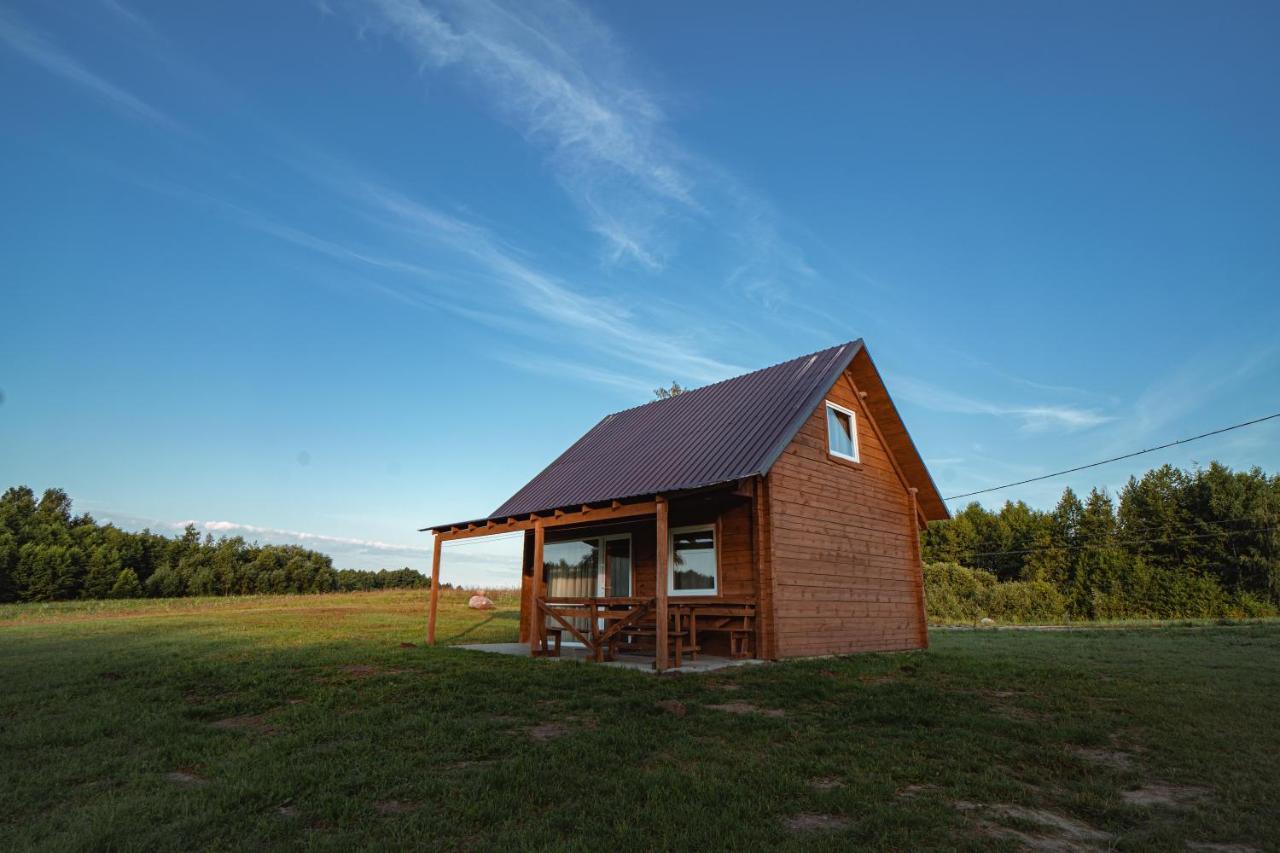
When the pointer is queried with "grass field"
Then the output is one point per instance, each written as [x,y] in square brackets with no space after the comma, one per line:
[307,722]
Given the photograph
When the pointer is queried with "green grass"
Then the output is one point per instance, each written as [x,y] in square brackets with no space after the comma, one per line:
[354,741]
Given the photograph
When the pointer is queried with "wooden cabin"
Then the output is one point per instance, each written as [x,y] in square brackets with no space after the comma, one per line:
[771,515]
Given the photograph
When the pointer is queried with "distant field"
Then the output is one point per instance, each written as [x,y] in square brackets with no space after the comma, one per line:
[299,721]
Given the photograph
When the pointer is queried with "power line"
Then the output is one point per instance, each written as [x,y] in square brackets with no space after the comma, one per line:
[1114,458]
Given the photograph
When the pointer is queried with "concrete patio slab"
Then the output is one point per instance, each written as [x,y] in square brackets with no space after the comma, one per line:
[578,653]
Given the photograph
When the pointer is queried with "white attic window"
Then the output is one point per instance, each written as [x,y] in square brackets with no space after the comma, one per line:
[842,432]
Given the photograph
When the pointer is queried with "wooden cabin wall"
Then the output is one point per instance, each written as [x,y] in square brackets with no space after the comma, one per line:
[845,575]
[737,574]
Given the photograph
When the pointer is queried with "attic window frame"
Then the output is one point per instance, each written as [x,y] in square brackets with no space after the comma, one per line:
[853,432]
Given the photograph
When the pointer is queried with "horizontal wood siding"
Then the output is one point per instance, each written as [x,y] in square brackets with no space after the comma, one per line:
[845,575]
[737,574]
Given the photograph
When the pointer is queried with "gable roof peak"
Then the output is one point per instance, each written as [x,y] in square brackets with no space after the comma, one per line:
[809,358]
[718,433]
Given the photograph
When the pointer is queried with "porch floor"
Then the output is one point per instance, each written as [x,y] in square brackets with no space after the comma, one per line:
[642,663]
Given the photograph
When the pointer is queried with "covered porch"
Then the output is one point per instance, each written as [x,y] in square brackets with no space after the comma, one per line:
[671,580]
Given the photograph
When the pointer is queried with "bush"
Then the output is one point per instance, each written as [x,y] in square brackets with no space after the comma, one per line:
[1026,601]
[126,585]
[1249,606]
[954,593]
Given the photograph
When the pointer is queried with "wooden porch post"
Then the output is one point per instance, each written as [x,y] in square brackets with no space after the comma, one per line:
[764,647]
[660,585]
[918,560]
[435,592]
[537,624]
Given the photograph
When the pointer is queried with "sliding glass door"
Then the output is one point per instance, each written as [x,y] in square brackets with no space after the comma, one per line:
[617,550]
[587,567]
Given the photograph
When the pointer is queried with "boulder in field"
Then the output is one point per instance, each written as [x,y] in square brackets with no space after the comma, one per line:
[480,602]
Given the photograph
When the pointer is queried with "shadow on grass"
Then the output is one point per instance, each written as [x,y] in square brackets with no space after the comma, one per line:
[472,629]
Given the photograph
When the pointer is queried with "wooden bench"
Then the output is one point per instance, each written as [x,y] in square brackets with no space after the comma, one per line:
[737,622]
[546,651]
[644,639]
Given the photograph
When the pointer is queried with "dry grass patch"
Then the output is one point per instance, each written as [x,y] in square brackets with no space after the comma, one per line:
[364,670]
[1162,794]
[910,791]
[747,708]
[1053,831]
[246,722]
[1113,758]
[186,779]
[809,822]
[394,807]
[548,731]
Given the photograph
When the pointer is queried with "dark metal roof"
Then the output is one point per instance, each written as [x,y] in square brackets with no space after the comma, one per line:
[715,434]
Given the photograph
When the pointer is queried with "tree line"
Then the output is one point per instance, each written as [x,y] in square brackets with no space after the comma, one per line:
[47,554]
[1176,543]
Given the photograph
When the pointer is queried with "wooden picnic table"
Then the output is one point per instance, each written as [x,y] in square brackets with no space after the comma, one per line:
[609,618]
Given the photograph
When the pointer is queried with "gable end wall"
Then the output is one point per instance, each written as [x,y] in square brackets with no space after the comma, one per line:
[845,567]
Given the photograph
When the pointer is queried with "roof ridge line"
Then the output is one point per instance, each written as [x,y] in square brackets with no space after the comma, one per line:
[732,378]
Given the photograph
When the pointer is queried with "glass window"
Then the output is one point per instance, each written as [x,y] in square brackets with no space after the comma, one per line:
[574,568]
[842,434]
[571,568]
[693,561]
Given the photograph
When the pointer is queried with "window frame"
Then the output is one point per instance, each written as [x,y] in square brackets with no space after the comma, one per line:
[671,560]
[853,432]
[604,564]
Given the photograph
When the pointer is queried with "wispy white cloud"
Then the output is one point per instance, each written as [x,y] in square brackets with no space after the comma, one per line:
[557,75]
[1195,383]
[128,15]
[556,367]
[41,51]
[492,561]
[1033,418]
[345,550]
[506,290]
[297,537]
[561,78]
[605,323]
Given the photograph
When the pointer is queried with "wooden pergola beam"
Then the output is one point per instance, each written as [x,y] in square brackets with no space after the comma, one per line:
[559,518]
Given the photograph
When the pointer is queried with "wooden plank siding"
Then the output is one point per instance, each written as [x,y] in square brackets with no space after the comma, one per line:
[842,556]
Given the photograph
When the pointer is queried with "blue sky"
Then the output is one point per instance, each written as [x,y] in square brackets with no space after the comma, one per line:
[329,271]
